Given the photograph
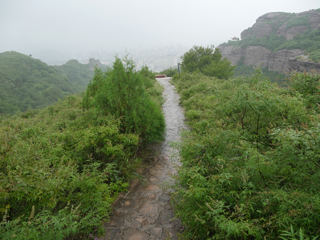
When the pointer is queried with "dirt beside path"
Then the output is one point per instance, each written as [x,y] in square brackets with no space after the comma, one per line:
[144,212]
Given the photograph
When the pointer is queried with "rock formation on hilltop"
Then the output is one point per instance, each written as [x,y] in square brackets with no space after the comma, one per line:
[280,42]
[94,63]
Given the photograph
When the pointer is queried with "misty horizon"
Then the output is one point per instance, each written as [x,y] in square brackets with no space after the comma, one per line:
[55,31]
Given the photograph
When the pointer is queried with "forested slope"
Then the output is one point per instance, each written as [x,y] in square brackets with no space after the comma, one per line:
[79,74]
[28,83]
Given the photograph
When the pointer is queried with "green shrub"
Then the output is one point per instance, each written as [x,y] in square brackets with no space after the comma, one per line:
[207,61]
[250,164]
[122,93]
[308,85]
[170,71]
[60,174]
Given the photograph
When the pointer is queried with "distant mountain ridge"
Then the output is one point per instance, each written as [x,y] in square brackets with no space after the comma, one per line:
[79,74]
[279,42]
[28,83]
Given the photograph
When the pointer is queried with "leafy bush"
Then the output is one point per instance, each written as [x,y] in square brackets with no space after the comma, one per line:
[250,164]
[58,171]
[207,61]
[121,92]
[307,84]
[170,71]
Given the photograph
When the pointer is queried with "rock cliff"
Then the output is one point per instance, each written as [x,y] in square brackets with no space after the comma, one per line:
[280,28]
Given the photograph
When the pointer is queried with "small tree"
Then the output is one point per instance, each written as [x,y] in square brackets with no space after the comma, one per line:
[208,61]
[170,71]
[121,92]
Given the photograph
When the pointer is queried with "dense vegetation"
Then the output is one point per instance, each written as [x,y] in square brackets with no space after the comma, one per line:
[251,166]
[62,166]
[309,40]
[243,70]
[169,72]
[79,74]
[28,83]
[207,61]
[127,99]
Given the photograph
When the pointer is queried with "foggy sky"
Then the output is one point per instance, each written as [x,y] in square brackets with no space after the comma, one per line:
[33,26]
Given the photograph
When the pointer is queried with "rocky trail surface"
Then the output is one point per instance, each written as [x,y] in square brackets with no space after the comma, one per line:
[144,212]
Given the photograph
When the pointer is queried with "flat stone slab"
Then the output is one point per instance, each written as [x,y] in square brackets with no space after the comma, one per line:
[144,212]
[134,234]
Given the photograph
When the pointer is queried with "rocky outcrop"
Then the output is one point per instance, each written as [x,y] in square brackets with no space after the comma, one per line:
[94,63]
[282,61]
[287,25]
[284,24]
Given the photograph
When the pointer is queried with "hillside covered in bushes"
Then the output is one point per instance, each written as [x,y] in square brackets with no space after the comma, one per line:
[80,74]
[250,165]
[28,83]
[62,166]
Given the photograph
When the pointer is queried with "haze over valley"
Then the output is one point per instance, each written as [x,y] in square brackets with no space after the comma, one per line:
[58,31]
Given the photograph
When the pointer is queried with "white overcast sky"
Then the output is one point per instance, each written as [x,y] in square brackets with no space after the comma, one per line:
[26,25]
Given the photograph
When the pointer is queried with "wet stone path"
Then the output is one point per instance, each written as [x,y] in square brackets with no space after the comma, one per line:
[144,212]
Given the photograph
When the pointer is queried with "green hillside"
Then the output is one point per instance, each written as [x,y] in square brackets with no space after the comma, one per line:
[28,83]
[79,74]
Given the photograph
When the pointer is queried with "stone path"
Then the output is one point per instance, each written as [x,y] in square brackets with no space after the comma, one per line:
[145,213]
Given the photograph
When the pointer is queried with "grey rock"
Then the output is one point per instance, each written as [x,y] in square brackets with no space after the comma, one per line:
[134,234]
[283,61]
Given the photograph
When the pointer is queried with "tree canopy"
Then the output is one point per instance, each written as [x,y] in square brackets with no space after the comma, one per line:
[207,60]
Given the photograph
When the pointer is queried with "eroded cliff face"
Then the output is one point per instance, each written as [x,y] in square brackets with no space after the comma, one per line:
[280,24]
[94,63]
[283,24]
[282,61]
